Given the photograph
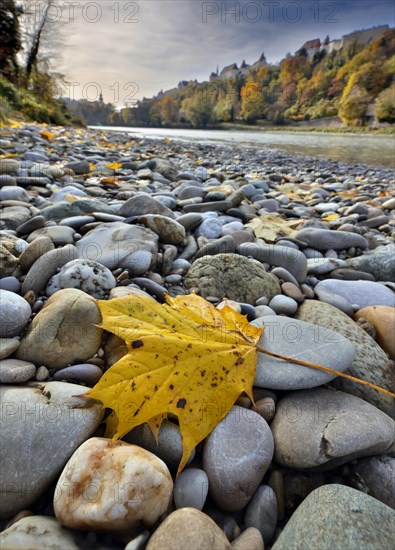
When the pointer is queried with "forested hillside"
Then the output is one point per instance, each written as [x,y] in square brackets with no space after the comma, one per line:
[355,83]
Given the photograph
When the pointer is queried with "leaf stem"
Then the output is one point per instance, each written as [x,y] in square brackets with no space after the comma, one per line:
[326,369]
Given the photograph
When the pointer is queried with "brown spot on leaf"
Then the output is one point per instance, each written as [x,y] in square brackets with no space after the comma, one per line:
[181,403]
[137,344]
[171,387]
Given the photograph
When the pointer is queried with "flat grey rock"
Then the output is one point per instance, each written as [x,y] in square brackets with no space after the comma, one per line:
[322,428]
[300,340]
[361,293]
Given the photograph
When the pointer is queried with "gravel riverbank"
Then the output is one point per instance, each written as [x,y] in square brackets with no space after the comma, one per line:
[303,245]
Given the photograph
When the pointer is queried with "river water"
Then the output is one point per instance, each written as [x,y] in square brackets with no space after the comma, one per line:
[378,150]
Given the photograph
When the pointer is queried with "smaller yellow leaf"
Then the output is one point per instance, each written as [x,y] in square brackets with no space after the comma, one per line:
[71,198]
[331,217]
[166,140]
[114,166]
[49,136]
[111,180]
[270,227]
[92,166]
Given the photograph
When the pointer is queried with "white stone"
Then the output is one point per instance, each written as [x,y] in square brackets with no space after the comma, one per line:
[36,533]
[112,487]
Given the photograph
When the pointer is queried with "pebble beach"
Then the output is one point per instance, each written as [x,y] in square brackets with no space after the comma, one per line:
[304,246]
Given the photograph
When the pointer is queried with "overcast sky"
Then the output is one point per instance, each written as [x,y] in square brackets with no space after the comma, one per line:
[129,50]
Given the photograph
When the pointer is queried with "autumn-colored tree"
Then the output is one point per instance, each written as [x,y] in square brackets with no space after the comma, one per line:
[168,108]
[294,68]
[354,103]
[252,104]
[385,105]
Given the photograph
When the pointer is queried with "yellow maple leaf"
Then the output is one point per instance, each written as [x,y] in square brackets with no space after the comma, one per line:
[186,358]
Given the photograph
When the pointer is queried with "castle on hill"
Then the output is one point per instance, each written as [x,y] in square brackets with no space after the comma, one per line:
[363,37]
[311,47]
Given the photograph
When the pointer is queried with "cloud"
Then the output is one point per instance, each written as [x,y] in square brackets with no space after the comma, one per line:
[157,43]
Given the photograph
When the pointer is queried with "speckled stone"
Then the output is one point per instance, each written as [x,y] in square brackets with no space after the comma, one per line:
[380,262]
[91,277]
[8,262]
[224,276]
[336,516]
[127,487]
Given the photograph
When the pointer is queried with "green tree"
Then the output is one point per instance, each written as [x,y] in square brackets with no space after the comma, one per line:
[199,110]
[168,110]
[10,43]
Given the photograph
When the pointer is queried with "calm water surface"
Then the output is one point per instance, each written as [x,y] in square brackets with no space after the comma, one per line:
[378,150]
